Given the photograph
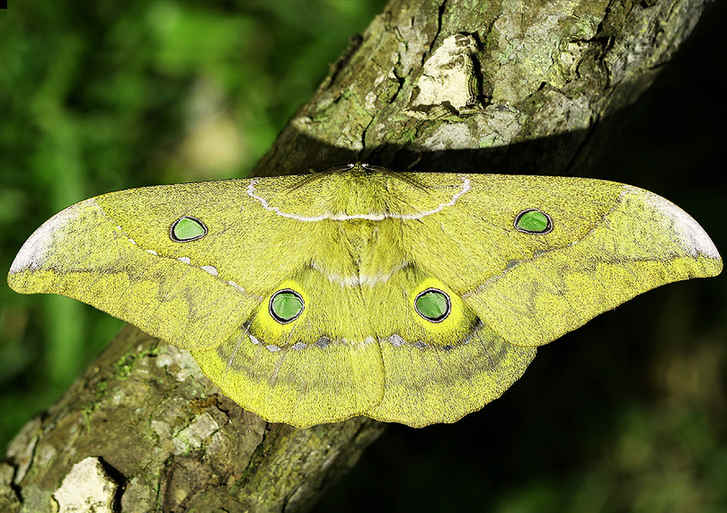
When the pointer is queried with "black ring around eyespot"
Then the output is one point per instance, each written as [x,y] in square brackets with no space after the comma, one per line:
[175,239]
[275,316]
[548,228]
[446,296]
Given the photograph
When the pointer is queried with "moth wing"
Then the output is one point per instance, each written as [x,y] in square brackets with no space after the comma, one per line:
[436,372]
[609,242]
[324,366]
[115,252]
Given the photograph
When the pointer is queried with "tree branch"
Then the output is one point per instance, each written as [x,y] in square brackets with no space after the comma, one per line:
[450,85]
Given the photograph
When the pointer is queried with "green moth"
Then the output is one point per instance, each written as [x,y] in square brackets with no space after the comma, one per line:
[406,297]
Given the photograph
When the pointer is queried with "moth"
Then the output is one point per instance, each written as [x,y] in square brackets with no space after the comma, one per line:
[406,297]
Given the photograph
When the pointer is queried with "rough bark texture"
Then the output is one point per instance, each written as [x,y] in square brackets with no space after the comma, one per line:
[451,85]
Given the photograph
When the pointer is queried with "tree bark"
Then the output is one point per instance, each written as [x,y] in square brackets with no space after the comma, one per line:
[452,85]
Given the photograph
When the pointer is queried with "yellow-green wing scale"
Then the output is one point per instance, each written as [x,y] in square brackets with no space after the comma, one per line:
[516,261]
[609,242]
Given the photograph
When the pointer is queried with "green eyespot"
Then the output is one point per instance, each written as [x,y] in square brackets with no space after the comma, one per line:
[433,305]
[533,221]
[286,305]
[186,229]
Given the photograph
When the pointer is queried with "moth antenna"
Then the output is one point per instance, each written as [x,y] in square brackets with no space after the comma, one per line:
[317,175]
[408,179]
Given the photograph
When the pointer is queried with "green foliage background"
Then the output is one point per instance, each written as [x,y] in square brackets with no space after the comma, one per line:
[626,414]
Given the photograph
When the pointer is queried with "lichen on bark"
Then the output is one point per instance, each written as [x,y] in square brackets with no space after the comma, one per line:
[430,85]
